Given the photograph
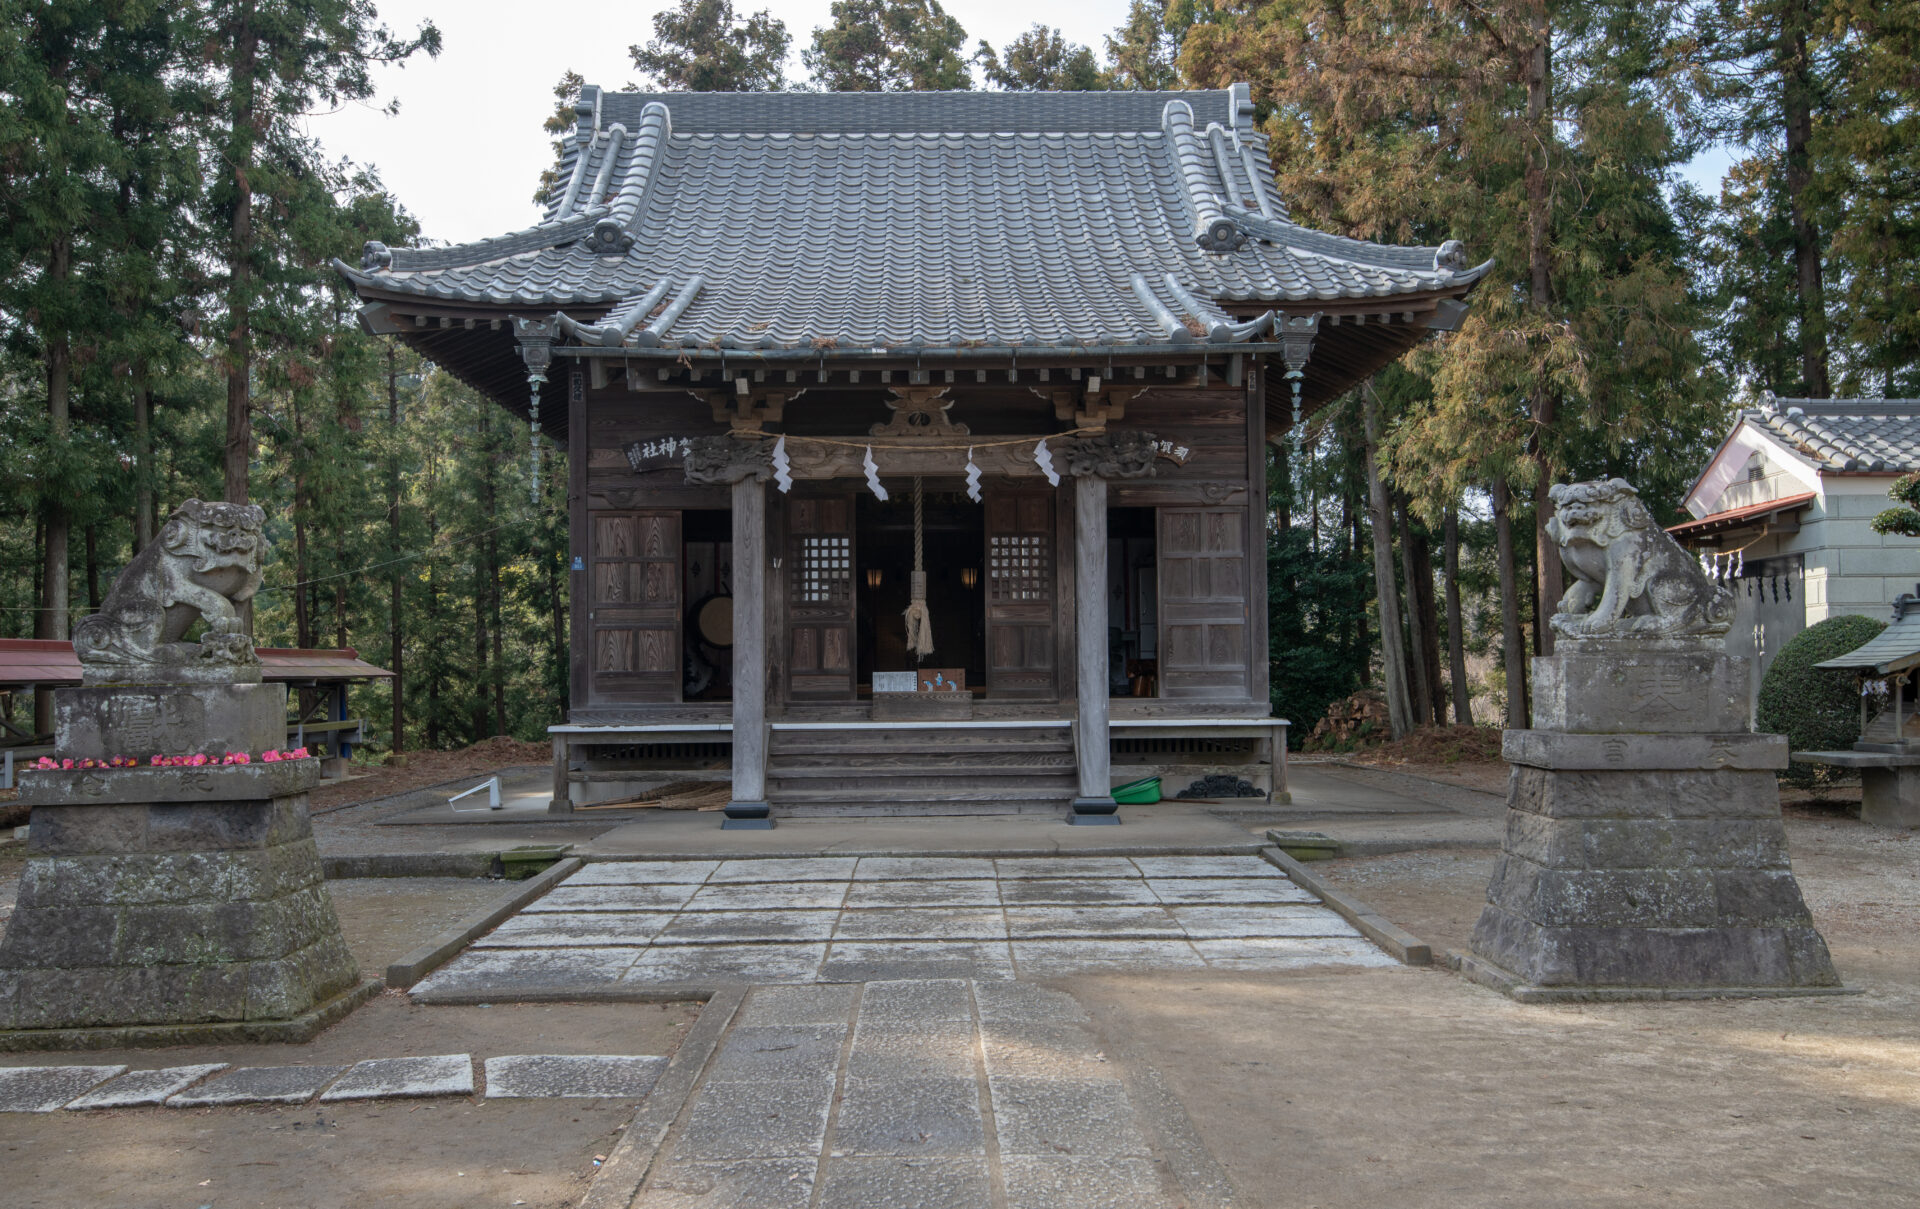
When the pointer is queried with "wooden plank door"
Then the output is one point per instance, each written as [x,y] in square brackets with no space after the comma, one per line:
[634,612]
[820,599]
[1203,603]
[1021,557]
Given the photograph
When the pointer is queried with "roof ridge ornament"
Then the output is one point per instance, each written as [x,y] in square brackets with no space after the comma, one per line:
[1212,230]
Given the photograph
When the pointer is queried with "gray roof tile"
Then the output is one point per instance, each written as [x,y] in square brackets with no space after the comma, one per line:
[1846,434]
[915,219]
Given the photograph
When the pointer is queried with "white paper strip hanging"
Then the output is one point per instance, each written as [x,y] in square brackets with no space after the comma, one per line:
[873,475]
[782,468]
[973,477]
[1043,458]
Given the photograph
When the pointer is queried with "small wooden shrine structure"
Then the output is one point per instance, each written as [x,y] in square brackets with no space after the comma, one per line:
[803,348]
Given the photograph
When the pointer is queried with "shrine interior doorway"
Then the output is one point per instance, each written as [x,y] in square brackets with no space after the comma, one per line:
[953,544]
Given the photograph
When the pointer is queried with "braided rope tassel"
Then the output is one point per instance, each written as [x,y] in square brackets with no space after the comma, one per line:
[919,622]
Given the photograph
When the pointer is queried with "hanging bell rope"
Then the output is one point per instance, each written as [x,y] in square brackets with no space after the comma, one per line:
[919,624]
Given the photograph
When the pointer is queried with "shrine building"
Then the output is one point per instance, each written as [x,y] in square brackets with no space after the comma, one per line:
[916,442]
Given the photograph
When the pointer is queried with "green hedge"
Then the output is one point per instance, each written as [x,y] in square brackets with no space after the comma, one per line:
[1817,709]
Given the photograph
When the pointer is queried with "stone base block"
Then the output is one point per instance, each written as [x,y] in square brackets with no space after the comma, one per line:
[170,720]
[1890,797]
[295,1030]
[1663,878]
[171,913]
[1634,690]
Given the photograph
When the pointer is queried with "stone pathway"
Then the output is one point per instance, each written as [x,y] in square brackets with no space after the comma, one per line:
[517,1076]
[948,1093]
[641,924]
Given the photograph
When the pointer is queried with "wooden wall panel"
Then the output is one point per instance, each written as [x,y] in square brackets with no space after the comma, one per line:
[633,607]
[1022,560]
[1205,637]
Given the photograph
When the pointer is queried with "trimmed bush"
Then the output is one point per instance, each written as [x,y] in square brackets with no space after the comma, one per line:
[1817,709]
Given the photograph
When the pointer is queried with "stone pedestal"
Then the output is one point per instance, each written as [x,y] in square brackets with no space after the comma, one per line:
[171,897]
[1645,864]
[1890,796]
[169,719]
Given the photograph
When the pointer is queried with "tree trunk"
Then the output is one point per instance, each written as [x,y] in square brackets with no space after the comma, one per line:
[1399,708]
[341,640]
[93,567]
[1426,612]
[239,162]
[143,520]
[396,649]
[499,675]
[1546,558]
[51,621]
[1513,646]
[1456,625]
[1796,94]
[1419,688]
[480,646]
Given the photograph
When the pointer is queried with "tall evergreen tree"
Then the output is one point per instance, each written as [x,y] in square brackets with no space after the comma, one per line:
[701,46]
[888,46]
[1041,60]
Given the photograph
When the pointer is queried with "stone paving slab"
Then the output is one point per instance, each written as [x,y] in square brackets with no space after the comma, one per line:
[587,929]
[758,1120]
[390,1078]
[1055,958]
[1205,866]
[1065,866]
[1076,892]
[144,1088]
[756,896]
[739,1184]
[788,869]
[1280,953]
[703,964]
[644,873]
[1147,923]
[744,927]
[902,1183]
[943,893]
[927,923]
[1076,1183]
[1199,891]
[879,961]
[570,897]
[259,1085]
[1022,1110]
[1223,923]
[504,971]
[572,1076]
[49,1088]
[901,868]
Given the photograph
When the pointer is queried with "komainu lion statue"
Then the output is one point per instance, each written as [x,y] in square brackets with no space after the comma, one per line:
[1630,579]
[205,560]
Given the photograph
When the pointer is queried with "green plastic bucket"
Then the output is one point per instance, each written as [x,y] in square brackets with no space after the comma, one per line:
[1144,792]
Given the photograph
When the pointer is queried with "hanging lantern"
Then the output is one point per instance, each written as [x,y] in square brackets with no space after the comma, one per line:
[969,578]
[874,576]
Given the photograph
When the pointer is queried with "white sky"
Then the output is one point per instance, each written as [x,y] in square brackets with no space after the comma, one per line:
[466,150]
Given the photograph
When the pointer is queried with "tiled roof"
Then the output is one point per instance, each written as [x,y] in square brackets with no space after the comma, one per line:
[1894,649]
[799,220]
[1845,434]
[1734,518]
[47,662]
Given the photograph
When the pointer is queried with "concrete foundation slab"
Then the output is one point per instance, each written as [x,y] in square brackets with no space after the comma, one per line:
[1075,1183]
[1055,958]
[908,868]
[1225,923]
[872,961]
[928,923]
[644,873]
[944,1183]
[950,893]
[1227,891]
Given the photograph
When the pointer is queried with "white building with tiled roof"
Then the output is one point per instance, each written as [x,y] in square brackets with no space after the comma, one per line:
[1785,507]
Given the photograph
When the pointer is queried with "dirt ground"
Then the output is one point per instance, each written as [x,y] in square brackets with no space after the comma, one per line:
[423,1154]
[420,769]
[1406,1087]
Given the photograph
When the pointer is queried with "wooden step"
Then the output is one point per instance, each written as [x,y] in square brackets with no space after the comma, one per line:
[785,808]
[901,763]
[900,749]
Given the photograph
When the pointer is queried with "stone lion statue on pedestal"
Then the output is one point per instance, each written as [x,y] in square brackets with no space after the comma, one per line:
[205,560]
[1630,579]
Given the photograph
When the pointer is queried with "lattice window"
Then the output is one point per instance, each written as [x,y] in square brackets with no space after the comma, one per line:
[1018,566]
[824,572]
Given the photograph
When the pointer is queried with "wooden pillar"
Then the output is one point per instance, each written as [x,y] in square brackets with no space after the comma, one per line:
[747,808]
[1095,802]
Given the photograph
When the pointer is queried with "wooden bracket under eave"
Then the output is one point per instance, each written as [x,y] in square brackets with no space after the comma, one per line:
[744,410]
[1094,404]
